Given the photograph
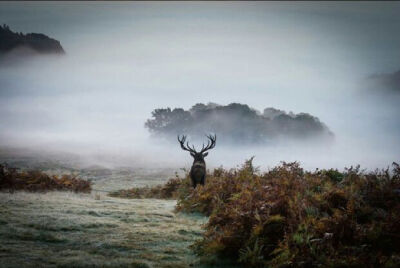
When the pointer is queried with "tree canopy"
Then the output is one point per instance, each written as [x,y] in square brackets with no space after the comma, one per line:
[236,123]
[38,42]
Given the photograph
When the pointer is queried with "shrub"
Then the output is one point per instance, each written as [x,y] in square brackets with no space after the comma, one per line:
[166,191]
[35,180]
[288,217]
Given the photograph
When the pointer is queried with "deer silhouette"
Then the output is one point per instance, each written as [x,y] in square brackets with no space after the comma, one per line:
[198,169]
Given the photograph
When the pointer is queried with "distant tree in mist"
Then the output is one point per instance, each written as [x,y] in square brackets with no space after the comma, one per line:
[236,123]
[386,81]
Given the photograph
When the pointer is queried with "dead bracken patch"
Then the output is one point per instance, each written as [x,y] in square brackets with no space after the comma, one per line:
[37,181]
[166,191]
[288,217]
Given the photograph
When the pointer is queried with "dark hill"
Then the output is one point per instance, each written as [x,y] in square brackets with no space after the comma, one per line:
[36,42]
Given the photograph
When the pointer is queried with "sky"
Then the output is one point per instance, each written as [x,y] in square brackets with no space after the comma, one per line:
[125,59]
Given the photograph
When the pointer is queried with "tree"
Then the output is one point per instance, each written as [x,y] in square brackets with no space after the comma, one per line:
[235,123]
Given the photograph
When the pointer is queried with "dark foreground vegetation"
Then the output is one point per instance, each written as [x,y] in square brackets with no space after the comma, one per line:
[36,181]
[289,217]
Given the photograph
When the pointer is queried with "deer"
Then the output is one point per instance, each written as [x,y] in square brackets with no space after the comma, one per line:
[198,169]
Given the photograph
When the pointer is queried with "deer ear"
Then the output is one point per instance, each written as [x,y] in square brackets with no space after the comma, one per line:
[192,154]
[205,154]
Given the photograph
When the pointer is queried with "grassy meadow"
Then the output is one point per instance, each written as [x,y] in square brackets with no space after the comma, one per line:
[68,229]
[64,229]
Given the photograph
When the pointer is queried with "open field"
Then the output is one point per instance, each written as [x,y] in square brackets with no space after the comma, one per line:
[62,229]
[65,229]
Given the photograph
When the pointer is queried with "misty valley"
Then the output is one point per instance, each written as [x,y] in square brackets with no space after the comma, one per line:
[199,134]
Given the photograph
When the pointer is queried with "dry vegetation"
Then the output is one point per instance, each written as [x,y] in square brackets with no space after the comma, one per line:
[288,217]
[167,191]
[35,181]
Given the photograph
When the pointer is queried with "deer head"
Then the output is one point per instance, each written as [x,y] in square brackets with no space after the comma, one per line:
[198,156]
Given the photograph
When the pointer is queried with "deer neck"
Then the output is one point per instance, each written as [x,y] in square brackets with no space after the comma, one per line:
[199,163]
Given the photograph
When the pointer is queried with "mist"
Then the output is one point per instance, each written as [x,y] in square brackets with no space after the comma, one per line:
[123,60]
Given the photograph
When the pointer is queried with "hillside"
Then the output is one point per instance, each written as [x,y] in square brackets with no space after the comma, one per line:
[36,42]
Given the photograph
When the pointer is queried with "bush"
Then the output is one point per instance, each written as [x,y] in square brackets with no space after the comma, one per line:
[167,191]
[288,217]
[37,181]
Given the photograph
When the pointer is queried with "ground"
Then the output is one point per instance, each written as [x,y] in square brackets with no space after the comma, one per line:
[65,229]
[62,229]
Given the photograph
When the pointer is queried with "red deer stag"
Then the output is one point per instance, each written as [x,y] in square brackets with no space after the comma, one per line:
[198,170]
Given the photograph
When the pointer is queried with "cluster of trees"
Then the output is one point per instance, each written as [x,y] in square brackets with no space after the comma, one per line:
[389,81]
[235,123]
[40,43]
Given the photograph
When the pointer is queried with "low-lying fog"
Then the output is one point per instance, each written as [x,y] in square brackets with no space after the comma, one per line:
[123,60]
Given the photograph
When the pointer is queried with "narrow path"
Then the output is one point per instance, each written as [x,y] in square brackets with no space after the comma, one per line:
[60,229]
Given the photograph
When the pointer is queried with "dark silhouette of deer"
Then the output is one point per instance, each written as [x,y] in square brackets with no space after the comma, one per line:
[198,169]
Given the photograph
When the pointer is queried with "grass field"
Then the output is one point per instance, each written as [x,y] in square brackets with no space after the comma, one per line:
[61,229]
[64,229]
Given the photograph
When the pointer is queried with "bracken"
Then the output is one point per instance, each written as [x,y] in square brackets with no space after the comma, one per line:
[288,217]
[36,181]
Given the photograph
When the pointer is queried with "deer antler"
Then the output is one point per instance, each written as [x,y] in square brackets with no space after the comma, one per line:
[211,145]
[187,147]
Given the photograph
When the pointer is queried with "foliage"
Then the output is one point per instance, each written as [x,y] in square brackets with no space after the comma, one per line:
[255,127]
[288,217]
[167,191]
[37,181]
[41,43]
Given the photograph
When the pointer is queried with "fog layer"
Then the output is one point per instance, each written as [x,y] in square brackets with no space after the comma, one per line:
[123,60]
